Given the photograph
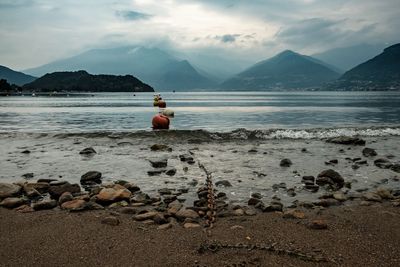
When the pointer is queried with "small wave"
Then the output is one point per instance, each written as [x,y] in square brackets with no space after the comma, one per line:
[238,134]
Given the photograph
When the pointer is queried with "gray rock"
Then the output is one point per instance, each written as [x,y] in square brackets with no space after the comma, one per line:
[141,198]
[328,202]
[253,201]
[369,152]
[160,147]
[88,151]
[9,190]
[171,172]
[395,167]
[225,183]
[28,175]
[256,195]
[383,163]
[346,140]
[159,163]
[184,213]
[186,158]
[331,178]
[311,188]
[91,177]
[156,172]
[45,204]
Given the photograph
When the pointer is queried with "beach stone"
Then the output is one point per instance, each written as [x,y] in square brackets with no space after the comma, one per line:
[128,210]
[12,202]
[118,204]
[186,158]
[225,183]
[91,177]
[256,195]
[383,163]
[285,163]
[9,190]
[141,198]
[45,204]
[250,212]
[28,176]
[156,172]
[369,152]
[339,196]
[330,177]
[31,192]
[384,193]
[160,147]
[171,172]
[395,167]
[132,187]
[238,212]
[184,213]
[159,163]
[164,226]
[308,179]
[169,198]
[253,201]
[293,214]
[328,202]
[66,196]
[57,190]
[109,195]
[46,180]
[110,220]
[160,219]
[174,207]
[91,205]
[24,209]
[318,225]
[145,216]
[370,196]
[346,140]
[74,205]
[88,151]
[189,225]
[291,192]
[164,191]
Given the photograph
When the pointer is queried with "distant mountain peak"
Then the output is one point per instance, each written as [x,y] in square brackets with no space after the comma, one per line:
[15,77]
[286,70]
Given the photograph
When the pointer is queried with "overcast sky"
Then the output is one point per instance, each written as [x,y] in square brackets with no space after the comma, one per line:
[35,32]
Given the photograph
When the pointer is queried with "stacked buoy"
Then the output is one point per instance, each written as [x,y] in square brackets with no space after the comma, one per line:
[161,121]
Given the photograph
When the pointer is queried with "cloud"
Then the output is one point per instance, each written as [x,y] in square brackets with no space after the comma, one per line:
[132,15]
[227,38]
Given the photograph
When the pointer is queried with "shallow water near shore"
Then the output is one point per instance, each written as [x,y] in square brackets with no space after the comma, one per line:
[239,137]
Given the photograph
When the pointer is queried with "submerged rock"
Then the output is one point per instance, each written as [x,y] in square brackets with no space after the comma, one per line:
[369,152]
[383,163]
[88,151]
[160,147]
[225,183]
[159,163]
[346,140]
[285,163]
[331,178]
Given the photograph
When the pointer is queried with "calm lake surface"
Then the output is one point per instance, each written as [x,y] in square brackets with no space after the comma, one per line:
[213,111]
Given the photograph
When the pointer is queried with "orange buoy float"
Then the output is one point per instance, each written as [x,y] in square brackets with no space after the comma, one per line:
[162,104]
[160,122]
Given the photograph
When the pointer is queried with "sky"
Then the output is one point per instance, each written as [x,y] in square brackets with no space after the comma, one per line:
[35,32]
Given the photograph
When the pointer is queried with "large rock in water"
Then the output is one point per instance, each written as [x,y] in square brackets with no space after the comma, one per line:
[383,163]
[369,152]
[331,178]
[91,177]
[346,140]
[9,190]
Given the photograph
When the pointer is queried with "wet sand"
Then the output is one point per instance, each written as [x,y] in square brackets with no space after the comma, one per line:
[356,236]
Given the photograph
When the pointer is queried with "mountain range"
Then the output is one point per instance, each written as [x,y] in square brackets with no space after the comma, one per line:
[152,65]
[15,77]
[287,70]
[379,73]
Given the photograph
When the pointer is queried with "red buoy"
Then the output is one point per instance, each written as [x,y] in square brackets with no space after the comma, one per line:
[162,104]
[160,122]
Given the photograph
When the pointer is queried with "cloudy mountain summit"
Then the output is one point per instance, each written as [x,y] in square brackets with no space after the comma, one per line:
[287,70]
[151,65]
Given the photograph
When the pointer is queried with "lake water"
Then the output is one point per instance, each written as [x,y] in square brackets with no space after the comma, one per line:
[212,111]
